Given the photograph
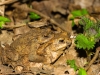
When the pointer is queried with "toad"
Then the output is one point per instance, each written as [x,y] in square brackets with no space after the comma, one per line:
[38,45]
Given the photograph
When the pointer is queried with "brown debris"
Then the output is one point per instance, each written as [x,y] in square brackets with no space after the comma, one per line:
[32,47]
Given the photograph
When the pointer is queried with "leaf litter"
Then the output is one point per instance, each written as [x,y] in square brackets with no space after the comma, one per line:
[52,12]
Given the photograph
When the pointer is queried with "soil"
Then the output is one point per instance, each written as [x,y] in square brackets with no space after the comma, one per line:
[43,46]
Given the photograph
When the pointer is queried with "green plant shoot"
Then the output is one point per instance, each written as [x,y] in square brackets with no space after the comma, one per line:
[3,20]
[34,16]
[72,64]
[78,13]
[82,71]
[90,35]
[84,42]
[91,29]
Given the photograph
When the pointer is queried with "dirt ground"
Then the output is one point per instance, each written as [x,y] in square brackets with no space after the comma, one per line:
[43,46]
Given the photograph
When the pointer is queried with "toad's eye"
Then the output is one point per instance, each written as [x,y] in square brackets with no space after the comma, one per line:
[61,40]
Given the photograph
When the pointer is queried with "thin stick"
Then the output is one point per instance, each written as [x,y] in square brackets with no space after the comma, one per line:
[93,59]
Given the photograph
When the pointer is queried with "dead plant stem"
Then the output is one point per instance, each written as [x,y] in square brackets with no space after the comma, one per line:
[94,58]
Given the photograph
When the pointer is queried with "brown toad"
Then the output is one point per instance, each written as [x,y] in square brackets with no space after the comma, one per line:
[38,45]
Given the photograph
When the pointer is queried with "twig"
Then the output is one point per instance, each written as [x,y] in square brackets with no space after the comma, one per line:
[10,27]
[94,58]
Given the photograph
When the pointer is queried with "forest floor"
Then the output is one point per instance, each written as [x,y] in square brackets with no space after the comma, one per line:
[44,43]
